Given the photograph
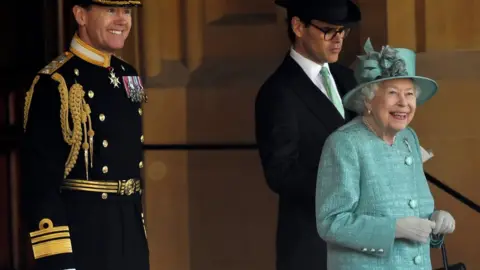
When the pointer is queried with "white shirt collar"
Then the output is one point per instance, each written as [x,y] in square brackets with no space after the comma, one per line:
[311,68]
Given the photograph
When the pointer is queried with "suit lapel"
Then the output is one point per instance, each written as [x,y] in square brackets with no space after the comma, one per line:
[313,98]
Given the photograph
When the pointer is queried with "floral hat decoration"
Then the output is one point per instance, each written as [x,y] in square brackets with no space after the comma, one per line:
[390,63]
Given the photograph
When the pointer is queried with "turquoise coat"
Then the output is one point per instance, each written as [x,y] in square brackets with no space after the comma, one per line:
[363,186]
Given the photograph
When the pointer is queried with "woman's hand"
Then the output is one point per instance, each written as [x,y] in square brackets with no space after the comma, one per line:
[414,229]
[445,223]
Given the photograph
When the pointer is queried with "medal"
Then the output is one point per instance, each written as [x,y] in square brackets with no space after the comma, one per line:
[134,89]
[113,79]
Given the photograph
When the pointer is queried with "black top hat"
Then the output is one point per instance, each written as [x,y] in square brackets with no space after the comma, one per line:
[338,12]
[111,3]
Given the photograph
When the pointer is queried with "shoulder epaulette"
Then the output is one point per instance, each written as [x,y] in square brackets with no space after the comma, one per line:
[56,63]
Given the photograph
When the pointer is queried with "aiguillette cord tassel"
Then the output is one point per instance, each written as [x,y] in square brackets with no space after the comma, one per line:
[91,133]
[85,147]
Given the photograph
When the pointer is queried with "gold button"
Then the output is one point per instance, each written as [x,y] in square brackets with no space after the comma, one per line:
[141,138]
[76,72]
[140,165]
[101,117]
[105,143]
[140,111]
[104,196]
[105,169]
[91,94]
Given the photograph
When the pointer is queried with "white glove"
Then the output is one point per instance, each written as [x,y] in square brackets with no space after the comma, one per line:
[414,228]
[444,222]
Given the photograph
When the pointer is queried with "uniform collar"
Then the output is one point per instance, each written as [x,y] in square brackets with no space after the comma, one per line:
[88,53]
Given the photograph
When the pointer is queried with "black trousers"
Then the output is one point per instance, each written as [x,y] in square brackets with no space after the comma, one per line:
[106,234]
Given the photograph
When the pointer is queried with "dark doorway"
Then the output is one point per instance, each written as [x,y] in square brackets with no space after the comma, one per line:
[30,40]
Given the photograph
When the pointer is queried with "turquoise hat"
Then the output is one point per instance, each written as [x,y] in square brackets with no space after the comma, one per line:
[390,63]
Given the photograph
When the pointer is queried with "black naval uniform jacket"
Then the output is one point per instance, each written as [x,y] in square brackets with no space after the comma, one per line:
[74,97]
[293,120]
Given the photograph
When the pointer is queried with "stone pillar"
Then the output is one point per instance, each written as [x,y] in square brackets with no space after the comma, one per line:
[151,48]
[195,21]
[401,23]
[169,28]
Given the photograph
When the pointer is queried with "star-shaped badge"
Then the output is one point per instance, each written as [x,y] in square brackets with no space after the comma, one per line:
[113,79]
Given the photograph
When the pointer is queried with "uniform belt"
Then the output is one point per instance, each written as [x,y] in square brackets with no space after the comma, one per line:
[120,187]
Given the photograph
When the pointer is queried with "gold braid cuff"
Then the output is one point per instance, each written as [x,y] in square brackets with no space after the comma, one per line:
[73,102]
[28,101]
[50,240]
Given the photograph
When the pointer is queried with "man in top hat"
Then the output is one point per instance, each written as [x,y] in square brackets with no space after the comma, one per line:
[82,152]
[296,109]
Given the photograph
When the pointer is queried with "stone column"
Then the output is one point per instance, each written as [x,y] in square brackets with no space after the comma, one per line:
[151,47]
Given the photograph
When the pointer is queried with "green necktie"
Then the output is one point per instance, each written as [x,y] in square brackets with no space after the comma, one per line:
[328,86]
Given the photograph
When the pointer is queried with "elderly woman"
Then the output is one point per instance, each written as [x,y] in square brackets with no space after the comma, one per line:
[373,204]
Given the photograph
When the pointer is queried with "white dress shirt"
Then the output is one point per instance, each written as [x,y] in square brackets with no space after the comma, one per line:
[312,70]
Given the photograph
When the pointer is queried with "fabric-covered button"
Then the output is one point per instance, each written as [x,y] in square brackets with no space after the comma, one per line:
[408,160]
[412,204]
[417,259]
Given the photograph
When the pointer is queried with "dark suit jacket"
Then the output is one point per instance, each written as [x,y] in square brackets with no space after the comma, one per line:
[293,119]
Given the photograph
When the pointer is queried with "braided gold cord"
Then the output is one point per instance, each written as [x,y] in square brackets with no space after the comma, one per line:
[85,145]
[90,133]
[28,101]
[73,101]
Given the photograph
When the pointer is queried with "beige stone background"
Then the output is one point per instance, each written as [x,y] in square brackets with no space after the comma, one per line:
[203,62]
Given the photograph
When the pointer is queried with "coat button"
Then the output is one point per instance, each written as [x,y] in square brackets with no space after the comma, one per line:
[91,94]
[140,111]
[408,160]
[105,143]
[412,204]
[101,117]
[104,196]
[417,259]
[141,138]
[105,169]
[140,165]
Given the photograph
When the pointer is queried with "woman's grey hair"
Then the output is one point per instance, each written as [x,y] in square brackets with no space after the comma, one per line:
[367,93]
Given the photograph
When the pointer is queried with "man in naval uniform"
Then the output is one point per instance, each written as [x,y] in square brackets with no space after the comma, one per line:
[82,152]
